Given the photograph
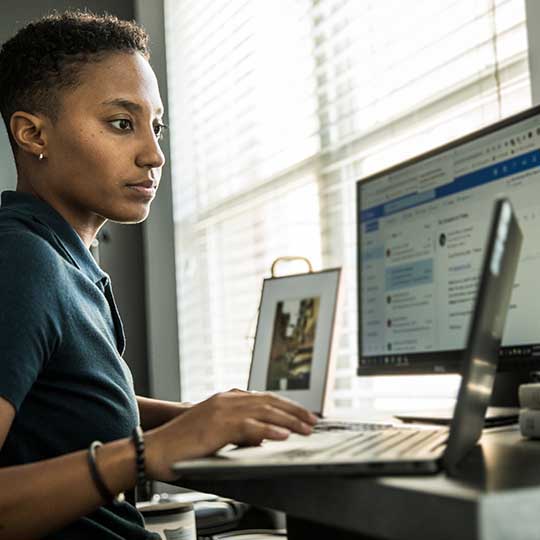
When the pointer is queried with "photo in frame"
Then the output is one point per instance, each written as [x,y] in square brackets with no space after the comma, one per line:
[295,327]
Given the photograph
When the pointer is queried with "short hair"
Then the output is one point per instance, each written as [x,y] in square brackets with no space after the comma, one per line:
[46,57]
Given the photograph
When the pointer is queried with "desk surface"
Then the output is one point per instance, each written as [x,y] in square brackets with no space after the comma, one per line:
[494,496]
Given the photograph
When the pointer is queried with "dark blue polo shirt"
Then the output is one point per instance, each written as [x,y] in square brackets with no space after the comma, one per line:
[61,345]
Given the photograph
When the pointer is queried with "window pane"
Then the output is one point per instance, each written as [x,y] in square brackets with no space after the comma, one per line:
[277,109]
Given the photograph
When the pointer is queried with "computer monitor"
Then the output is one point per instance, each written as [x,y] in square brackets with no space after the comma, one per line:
[422,229]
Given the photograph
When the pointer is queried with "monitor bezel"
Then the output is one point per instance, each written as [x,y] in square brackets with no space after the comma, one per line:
[449,361]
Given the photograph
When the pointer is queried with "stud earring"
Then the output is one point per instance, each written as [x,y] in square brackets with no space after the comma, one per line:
[40,157]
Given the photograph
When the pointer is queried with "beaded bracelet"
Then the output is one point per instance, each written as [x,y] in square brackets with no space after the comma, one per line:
[138,441]
[97,478]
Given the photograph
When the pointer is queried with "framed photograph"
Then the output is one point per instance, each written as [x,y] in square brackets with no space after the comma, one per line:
[291,353]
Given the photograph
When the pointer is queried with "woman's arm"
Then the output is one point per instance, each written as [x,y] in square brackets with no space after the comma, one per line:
[38,498]
[41,497]
[155,412]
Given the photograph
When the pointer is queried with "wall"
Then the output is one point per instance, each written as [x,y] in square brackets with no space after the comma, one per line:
[164,366]
[122,255]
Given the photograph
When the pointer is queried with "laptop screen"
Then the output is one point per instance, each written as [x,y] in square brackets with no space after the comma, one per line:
[485,333]
[292,349]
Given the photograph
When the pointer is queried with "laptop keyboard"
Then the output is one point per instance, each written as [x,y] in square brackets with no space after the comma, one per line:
[333,425]
[388,443]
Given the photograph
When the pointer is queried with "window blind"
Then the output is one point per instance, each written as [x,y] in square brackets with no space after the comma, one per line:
[277,108]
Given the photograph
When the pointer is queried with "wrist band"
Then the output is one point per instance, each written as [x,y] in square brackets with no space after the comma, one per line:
[97,478]
[138,441]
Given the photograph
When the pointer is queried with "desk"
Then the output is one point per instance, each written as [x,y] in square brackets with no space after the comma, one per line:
[495,496]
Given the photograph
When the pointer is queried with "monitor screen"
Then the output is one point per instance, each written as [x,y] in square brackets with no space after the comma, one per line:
[422,230]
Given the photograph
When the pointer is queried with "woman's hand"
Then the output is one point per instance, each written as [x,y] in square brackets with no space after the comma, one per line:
[236,417]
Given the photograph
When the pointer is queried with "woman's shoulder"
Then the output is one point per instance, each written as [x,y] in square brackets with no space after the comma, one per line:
[25,242]
[25,251]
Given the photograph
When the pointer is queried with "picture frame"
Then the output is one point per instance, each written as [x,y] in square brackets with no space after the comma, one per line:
[293,340]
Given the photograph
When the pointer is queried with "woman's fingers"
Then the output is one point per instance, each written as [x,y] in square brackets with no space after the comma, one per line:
[280,418]
[254,432]
[245,402]
[289,407]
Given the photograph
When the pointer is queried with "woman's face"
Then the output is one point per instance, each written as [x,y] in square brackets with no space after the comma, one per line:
[103,155]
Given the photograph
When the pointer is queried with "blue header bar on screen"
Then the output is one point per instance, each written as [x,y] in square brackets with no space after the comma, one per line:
[492,173]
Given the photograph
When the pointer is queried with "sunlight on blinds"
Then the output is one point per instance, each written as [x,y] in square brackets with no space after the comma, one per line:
[223,263]
[277,109]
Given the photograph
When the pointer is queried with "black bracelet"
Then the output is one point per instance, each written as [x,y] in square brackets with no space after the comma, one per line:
[138,441]
[98,480]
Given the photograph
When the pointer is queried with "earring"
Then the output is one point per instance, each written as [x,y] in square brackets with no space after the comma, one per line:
[40,157]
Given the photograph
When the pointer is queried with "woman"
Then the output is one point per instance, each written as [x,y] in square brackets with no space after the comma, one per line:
[82,108]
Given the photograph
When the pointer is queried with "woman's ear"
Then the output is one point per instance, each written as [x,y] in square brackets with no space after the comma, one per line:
[29,133]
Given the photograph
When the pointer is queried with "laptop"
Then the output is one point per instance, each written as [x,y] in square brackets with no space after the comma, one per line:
[399,449]
[294,367]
